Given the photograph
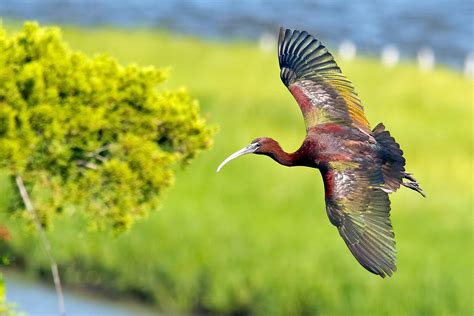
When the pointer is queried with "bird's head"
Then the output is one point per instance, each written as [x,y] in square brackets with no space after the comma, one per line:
[259,146]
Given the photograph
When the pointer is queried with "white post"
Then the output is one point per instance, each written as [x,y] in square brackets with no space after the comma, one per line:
[469,66]
[390,55]
[426,59]
[267,42]
[347,50]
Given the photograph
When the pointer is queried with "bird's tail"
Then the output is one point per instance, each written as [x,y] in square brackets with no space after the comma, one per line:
[393,163]
[412,183]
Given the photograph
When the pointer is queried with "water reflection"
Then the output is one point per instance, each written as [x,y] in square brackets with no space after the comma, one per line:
[36,298]
[444,26]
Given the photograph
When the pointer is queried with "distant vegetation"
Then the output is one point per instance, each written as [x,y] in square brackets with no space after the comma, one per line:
[255,239]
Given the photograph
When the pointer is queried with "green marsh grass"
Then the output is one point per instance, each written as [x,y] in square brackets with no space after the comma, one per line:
[255,238]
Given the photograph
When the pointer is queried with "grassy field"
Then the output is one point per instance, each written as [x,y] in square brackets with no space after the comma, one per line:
[255,238]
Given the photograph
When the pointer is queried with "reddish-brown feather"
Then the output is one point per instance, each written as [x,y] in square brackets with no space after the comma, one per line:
[328,178]
[303,101]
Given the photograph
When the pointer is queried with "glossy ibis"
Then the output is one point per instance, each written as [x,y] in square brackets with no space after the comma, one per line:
[359,166]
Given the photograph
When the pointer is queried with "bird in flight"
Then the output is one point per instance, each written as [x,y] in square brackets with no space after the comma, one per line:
[359,166]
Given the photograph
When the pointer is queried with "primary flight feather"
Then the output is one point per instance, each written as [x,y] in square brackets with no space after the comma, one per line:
[359,166]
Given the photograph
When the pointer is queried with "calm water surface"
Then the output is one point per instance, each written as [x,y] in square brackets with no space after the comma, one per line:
[37,299]
[446,26]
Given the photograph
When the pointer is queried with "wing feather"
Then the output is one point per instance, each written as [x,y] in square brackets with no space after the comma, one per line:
[313,77]
[360,209]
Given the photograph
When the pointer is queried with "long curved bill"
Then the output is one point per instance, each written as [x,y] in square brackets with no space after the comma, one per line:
[247,150]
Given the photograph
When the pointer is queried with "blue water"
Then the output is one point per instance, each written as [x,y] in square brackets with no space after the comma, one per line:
[446,26]
[39,299]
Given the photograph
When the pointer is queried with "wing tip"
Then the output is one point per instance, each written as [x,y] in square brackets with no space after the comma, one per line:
[383,273]
[303,55]
[382,269]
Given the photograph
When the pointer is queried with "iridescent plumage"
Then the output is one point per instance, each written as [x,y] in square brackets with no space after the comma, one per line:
[359,167]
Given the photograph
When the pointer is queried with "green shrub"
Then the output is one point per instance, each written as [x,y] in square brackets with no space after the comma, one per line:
[89,132]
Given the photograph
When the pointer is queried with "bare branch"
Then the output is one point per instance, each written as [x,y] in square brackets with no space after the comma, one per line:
[87,164]
[44,240]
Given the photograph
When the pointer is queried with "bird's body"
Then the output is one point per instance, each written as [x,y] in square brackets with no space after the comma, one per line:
[359,166]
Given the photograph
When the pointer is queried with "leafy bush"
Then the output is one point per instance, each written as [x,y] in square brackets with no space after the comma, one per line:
[89,132]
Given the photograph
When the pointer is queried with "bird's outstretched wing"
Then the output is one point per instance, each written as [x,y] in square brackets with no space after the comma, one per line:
[323,93]
[360,209]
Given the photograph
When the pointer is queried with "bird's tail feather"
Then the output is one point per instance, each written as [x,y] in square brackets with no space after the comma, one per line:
[411,183]
[391,156]
[393,163]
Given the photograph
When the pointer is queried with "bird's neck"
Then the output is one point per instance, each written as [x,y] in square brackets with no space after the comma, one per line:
[279,155]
